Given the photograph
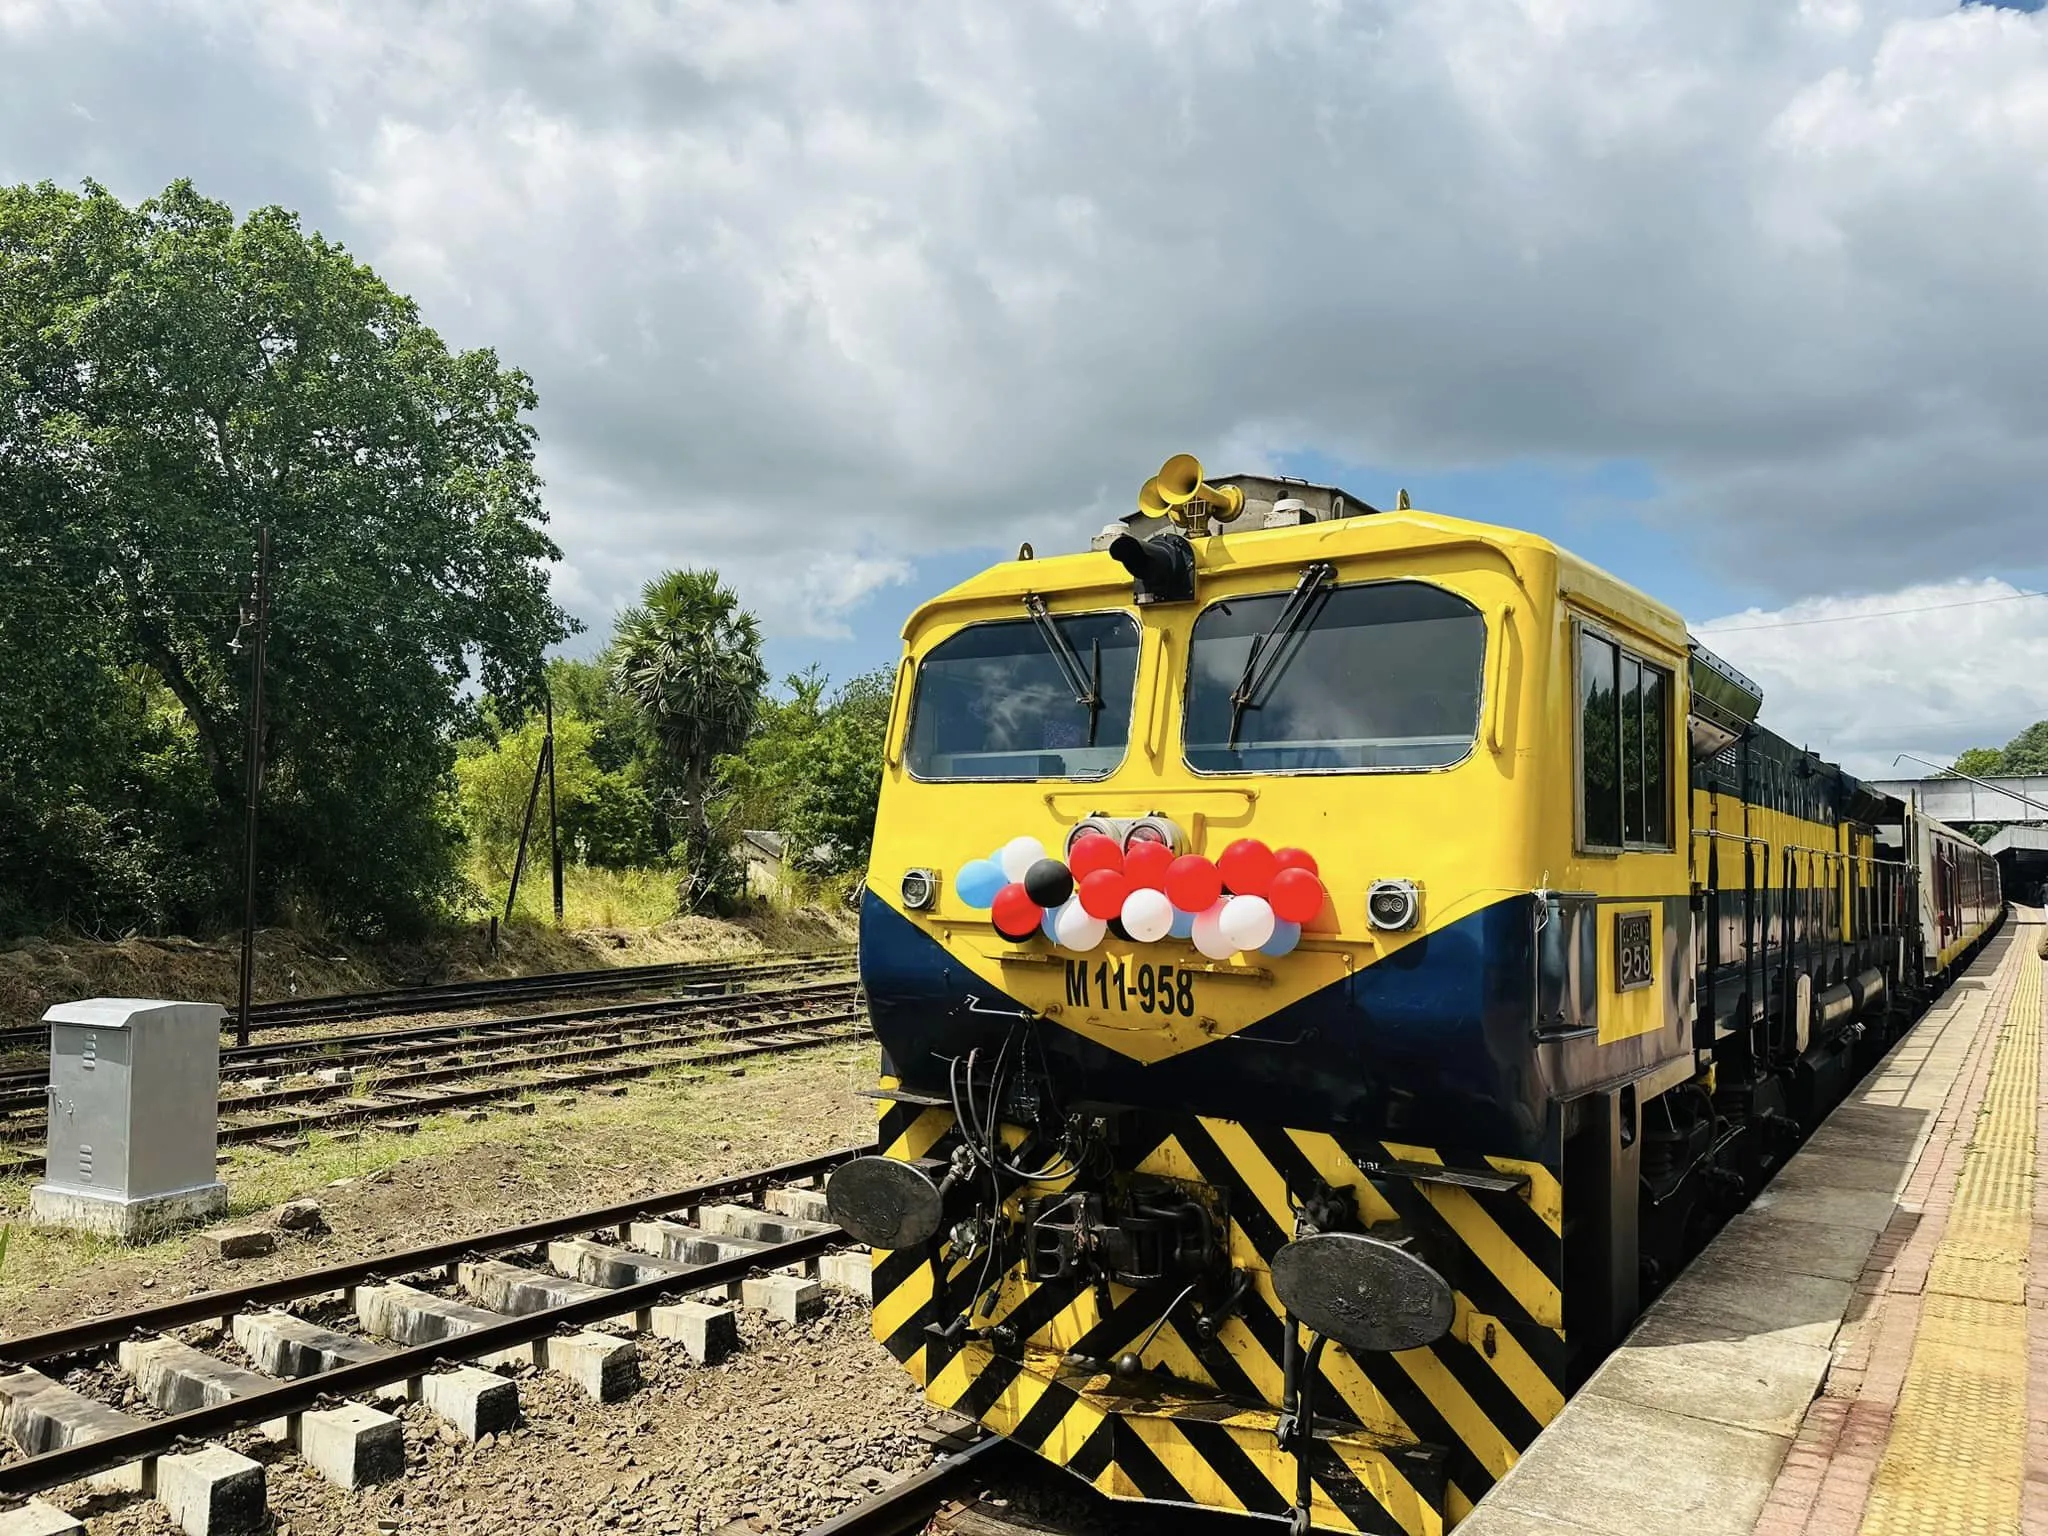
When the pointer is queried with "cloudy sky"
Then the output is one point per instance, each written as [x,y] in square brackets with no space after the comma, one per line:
[1743,300]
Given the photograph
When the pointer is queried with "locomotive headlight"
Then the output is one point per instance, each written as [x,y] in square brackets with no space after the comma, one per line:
[1128,831]
[920,888]
[1155,829]
[1393,906]
[1100,826]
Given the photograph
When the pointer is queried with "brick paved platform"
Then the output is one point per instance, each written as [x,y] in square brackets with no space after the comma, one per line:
[1863,1352]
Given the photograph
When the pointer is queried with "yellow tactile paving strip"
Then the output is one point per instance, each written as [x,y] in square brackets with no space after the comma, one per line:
[1955,1461]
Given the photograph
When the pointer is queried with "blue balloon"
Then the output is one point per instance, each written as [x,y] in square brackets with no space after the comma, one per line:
[978,882]
[1183,925]
[1045,925]
[1285,936]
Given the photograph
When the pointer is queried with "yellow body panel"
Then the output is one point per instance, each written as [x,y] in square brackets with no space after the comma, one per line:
[1499,822]
[1199,1410]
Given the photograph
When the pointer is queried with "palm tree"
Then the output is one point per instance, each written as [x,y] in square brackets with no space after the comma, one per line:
[690,657]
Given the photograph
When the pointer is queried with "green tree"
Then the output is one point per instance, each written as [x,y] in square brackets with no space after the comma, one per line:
[606,819]
[170,381]
[2028,751]
[1980,762]
[588,691]
[690,657]
[830,825]
[763,778]
[494,782]
[2025,753]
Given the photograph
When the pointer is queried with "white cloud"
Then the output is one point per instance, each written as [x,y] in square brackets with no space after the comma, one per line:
[1930,669]
[858,279]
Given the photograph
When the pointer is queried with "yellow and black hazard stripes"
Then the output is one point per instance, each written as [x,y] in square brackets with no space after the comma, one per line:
[902,1280]
[1373,1390]
[1186,1449]
[1434,1427]
[908,1130]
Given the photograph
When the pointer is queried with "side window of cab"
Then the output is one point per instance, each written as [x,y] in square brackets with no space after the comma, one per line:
[1624,747]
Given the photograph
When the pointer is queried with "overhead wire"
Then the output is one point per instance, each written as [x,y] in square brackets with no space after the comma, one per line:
[1852,618]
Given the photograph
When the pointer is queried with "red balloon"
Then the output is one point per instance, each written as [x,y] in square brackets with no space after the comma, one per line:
[1297,858]
[1017,915]
[1092,853]
[1193,884]
[1296,895]
[1102,893]
[1248,867]
[1146,864]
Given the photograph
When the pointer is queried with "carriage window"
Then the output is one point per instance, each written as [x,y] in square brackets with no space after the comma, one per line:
[996,701]
[1624,748]
[1384,675]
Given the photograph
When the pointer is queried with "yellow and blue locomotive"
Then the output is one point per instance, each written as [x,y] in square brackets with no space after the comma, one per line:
[1331,965]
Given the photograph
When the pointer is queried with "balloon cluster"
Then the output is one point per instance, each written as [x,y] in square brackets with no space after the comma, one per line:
[1252,898]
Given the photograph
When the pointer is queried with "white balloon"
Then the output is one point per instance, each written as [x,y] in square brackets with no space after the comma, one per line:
[1208,934]
[1018,855]
[1147,915]
[1247,921]
[1076,930]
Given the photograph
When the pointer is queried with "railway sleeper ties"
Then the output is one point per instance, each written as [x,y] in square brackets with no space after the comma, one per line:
[416,1344]
[693,975]
[705,1051]
[286,1013]
[330,1068]
[335,1052]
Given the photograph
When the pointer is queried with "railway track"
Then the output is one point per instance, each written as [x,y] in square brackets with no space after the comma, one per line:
[315,1359]
[24,1088]
[404,1002]
[905,1508]
[396,1076]
[978,1490]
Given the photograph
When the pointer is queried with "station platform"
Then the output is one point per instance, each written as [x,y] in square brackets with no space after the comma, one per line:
[1864,1351]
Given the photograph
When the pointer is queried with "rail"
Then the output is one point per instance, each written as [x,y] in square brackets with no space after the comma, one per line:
[34,1474]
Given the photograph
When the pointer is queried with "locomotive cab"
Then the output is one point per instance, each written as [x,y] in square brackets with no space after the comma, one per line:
[1285,933]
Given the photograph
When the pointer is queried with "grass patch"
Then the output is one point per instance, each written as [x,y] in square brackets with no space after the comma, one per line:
[675,1119]
[591,898]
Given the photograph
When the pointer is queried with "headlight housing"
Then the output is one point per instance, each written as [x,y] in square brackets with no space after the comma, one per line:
[1393,906]
[920,889]
[1126,830]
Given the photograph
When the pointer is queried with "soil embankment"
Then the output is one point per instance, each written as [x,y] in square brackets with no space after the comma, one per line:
[37,972]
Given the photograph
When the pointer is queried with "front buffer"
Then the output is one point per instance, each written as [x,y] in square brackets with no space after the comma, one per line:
[1189,1309]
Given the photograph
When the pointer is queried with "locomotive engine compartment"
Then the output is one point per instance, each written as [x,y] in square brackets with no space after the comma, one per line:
[1401,949]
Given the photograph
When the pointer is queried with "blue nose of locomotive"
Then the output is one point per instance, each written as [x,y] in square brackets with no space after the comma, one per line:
[1432,1044]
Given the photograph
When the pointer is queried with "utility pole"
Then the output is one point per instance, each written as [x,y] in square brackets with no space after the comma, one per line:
[554,826]
[541,765]
[258,615]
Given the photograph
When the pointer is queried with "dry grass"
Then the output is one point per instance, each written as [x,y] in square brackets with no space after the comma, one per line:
[591,898]
[668,1128]
[37,972]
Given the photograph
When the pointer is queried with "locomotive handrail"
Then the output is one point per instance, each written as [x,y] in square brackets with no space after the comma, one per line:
[1155,717]
[1496,703]
[899,697]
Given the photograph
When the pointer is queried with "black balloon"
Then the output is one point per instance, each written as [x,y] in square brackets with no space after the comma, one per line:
[1118,930]
[1049,883]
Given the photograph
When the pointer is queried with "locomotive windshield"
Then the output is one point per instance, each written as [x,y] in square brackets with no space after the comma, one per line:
[1385,675]
[996,700]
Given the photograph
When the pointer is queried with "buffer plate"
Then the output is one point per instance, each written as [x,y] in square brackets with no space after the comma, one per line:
[1366,1294]
[884,1203]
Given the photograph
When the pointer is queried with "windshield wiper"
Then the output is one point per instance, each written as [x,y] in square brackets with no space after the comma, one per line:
[1087,685]
[1271,651]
